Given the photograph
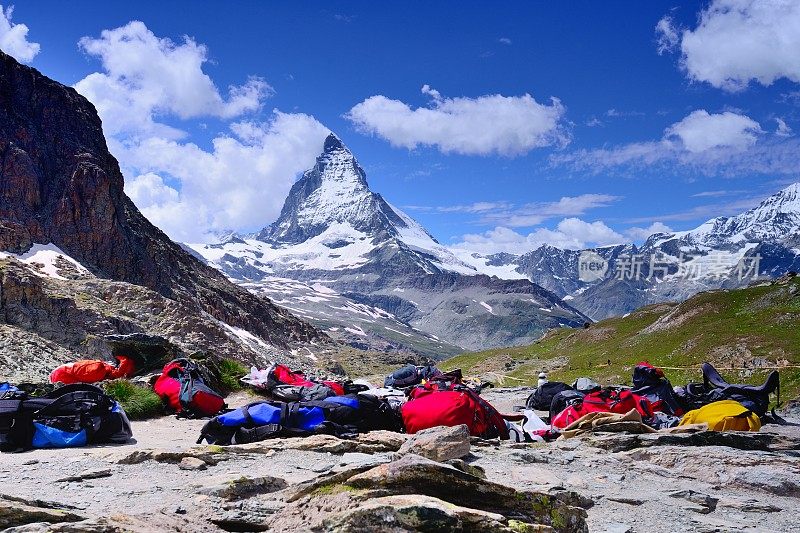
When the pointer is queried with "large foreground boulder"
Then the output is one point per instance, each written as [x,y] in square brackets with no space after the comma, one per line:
[416,494]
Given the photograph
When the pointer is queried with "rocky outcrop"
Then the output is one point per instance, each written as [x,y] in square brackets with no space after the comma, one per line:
[59,184]
[45,321]
[417,494]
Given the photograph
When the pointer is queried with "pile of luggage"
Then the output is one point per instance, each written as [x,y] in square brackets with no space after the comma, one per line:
[73,415]
[714,402]
[412,399]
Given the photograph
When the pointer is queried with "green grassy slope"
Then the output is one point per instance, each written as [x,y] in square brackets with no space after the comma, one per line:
[738,331]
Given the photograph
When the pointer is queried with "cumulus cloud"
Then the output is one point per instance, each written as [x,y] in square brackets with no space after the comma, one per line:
[145,76]
[570,233]
[640,234]
[14,38]
[738,41]
[707,143]
[505,125]
[240,184]
[504,40]
[701,131]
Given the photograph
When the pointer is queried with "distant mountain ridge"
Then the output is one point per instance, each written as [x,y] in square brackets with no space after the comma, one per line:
[722,252]
[333,229]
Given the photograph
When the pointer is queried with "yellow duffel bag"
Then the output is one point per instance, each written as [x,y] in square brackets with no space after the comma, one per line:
[724,415]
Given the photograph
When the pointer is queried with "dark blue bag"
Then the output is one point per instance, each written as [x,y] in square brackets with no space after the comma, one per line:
[338,415]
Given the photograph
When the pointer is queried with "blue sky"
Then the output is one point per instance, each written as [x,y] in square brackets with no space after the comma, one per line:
[640,116]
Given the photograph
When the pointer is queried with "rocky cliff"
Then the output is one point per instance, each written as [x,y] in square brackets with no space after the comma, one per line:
[59,184]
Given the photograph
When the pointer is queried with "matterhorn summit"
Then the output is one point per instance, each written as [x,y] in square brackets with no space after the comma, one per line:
[339,254]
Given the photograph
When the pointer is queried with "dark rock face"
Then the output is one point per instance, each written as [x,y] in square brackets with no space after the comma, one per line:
[60,184]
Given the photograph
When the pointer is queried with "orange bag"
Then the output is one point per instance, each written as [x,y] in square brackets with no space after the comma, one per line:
[92,371]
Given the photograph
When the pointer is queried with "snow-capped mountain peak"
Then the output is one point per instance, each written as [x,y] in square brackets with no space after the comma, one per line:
[332,205]
[333,192]
[774,219]
[785,202]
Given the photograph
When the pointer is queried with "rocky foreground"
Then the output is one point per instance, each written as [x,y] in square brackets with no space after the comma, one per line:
[437,481]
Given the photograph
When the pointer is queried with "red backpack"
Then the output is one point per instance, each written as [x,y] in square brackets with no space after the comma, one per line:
[182,386]
[603,401]
[429,407]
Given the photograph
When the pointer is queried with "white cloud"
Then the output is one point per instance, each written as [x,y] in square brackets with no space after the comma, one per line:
[701,131]
[508,214]
[616,113]
[505,40]
[716,194]
[724,143]
[240,184]
[738,41]
[145,76]
[640,234]
[149,189]
[14,38]
[667,37]
[783,129]
[570,233]
[704,212]
[506,125]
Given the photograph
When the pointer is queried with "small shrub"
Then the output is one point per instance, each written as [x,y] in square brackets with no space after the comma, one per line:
[138,402]
[230,374]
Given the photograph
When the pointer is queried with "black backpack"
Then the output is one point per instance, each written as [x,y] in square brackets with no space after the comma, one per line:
[754,397]
[714,388]
[651,383]
[73,415]
[301,393]
[542,397]
[564,399]
[410,375]
[377,413]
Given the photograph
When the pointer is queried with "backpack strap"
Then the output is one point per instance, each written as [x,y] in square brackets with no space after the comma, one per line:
[187,389]
[245,435]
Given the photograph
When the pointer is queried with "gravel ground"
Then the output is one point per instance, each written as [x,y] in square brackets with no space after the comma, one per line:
[645,489]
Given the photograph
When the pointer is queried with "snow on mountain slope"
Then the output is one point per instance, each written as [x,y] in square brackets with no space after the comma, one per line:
[48,260]
[722,252]
[357,324]
[775,219]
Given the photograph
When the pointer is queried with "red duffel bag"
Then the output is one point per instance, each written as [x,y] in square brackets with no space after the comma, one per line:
[603,401]
[429,408]
[92,371]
